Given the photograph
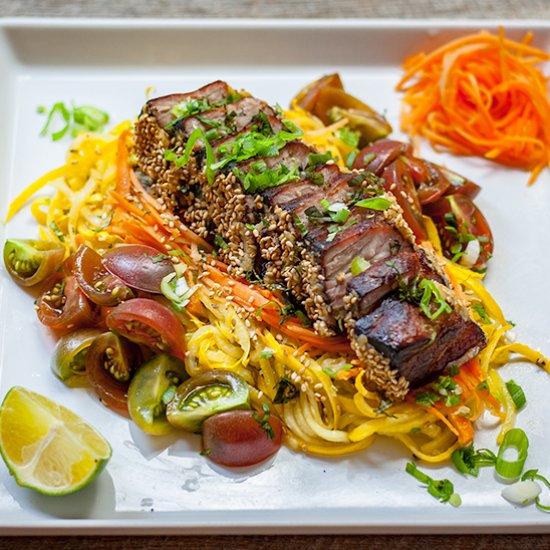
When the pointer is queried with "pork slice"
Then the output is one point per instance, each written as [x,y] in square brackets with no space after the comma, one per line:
[370,238]
[293,193]
[275,124]
[161,107]
[293,154]
[382,277]
[419,348]
[233,117]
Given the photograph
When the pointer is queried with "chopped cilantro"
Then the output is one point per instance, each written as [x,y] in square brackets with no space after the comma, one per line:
[286,390]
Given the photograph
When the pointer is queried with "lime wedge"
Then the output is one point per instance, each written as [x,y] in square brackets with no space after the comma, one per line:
[47,447]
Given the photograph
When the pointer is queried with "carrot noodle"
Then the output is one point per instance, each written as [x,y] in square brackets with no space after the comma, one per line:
[239,326]
[481,95]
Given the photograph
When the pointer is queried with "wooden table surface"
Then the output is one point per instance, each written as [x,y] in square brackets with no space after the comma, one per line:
[496,9]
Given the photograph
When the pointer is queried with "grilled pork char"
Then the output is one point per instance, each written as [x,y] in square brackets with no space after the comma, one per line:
[285,232]
[417,346]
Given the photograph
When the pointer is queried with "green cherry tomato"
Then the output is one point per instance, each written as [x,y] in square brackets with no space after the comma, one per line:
[30,262]
[152,387]
[204,395]
[69,357]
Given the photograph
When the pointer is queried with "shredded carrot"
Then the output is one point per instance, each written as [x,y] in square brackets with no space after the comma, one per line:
[481,95]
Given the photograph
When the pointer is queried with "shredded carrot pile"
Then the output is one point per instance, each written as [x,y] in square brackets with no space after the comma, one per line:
[481,95]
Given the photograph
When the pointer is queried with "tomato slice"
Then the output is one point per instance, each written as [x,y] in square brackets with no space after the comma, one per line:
[147,322]
[376,157]
[307,96]
[430,183]
[110,361]
[30,262]
[100,286]
[139,266]
[398,181]
[152,387]
[460,223]
[206,394]
[69,357]
[241,438]
[63,305]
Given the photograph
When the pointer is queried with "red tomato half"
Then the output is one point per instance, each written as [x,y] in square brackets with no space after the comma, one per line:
[110,360]
[139,266]
[241,438]
[100,286]
[459,221]
[63,305]
[147,322]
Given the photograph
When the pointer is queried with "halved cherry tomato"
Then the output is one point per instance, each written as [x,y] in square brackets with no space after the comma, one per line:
[307,96]
[30,262]
[241,438]
[206,394]
[459,223]
[100,286]
[376,157]
[147,322]
[398,181]
[151,389]
[429,181]
[139,266]
[69,357]
[333,104]
[110,360]
[458,183]
[63,305]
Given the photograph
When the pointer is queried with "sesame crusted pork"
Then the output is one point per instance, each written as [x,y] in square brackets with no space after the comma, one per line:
[335,240]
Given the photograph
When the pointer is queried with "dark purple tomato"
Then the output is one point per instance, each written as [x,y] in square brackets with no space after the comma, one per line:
[100,286]
[241,438]
[139,266]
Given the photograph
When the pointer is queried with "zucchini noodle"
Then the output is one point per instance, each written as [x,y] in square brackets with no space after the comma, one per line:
[331,412]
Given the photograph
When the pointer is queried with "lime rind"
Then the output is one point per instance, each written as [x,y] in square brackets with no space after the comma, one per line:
[49,463]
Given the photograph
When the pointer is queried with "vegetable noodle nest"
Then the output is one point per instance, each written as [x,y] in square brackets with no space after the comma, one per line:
[311,383]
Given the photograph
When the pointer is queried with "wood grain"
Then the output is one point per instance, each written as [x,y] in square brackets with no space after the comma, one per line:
[479,9]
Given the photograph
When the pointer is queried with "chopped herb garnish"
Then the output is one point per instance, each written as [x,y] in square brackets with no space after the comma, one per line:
[286,390]
[350,159]
[349,137]
[259,177]
[424,293]
[159,258]
[374,203]
[480,310]
[335,229]
[517,394]
[220,242]
[333,373]
[483,386]
[358,265]
[441,489]
[58,233]
[264,421]
[196,134]
[427,398]
[300,225]
[266,353]
[316,159]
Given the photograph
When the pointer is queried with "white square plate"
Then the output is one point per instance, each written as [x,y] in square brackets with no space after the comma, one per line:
[164,485]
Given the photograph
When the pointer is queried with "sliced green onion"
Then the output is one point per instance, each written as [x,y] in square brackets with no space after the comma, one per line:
[358,265]
[517,395]
[442,489]
[534,475]
[515,439]
[467,460]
